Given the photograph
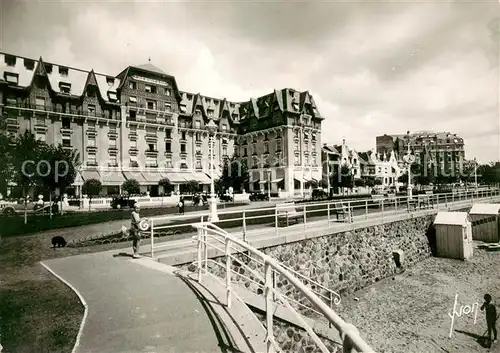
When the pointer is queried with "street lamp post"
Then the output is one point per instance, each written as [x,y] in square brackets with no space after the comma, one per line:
[409,159]
[212,128]
[269,185]
[475,173]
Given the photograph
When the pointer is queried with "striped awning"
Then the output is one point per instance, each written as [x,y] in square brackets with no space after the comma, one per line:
[177,178]
[112,178]
[263,181]
[90,174]
[153,177]
[201,177]
[136,175]
[300,180]
[277,180]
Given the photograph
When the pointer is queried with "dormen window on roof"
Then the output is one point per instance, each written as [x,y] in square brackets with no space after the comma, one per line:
[10,60]
[183,108]
[63,71]
[132,99]
[112,96]
[65,87]
[29,64]
[11,77]
[110,80]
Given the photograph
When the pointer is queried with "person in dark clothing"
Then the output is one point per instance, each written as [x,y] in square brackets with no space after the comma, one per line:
[491,318]
[181,205]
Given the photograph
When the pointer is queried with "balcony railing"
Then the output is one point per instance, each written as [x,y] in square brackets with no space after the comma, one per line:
[63,110]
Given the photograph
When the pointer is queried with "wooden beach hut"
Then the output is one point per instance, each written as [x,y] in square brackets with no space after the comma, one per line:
[485,219]
[453,235]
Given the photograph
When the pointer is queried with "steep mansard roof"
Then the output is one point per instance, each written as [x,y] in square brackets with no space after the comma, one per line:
[286,99]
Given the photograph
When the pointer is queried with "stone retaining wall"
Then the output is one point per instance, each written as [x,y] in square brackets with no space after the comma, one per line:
[293,339]
[343,262]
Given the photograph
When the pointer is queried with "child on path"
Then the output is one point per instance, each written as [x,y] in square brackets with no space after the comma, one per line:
[135,231]
[491,318]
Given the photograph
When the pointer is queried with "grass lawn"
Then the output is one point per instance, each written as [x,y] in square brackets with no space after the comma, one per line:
[38,313]
[14,225]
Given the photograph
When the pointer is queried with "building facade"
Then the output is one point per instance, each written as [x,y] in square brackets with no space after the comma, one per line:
[139,125]
[335,155]
[440,153]
[384,167]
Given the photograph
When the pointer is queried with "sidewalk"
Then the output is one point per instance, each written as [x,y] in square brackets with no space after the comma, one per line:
[133,309]
[108,227]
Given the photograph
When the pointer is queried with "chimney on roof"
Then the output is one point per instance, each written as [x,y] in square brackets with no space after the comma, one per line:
[343,142]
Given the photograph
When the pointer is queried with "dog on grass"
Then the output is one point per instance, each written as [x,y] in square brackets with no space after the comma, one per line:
[58,241]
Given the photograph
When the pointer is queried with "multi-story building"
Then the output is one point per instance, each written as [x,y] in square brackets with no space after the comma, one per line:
[280,141]
[139,125]
[381,166]
[336,155]
[441,152]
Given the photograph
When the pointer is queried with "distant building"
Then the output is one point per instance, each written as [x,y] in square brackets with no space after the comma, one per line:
[442,152]
[380,166]
[139,125]
[333,155]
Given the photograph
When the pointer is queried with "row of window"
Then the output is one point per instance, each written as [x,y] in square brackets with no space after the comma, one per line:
[149,88]
[151,161]
[266,148]
[308,160]
[306,146]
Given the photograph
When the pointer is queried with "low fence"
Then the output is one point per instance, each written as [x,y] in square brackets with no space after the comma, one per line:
[321,214]
[264,270]
[144,201]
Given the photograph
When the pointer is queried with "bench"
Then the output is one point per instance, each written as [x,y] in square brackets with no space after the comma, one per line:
[340,209]
[289,212]
[378,199]
[425,201]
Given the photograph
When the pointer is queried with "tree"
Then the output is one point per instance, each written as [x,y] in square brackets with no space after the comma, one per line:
[234,174]
[369,181]
[131,186]
[6,170]
[25,163]
[58,168]
[92,188]
[192,186]
[359,182]
[379,181]
[342,177]
[167,186]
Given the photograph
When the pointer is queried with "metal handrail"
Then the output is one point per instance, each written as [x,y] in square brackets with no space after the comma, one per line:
[350,335]
[451,197]
[387,208]
[332,298]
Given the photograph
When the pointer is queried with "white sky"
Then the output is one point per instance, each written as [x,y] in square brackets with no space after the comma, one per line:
[373,68]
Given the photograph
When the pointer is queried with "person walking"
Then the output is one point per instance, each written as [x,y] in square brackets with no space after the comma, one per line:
[491,318]
[181,205]
[135,230]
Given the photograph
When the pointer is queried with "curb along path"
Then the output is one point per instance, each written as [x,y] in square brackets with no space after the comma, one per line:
[135,309]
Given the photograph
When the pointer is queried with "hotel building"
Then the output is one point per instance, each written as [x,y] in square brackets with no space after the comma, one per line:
[443,151]
[139,125]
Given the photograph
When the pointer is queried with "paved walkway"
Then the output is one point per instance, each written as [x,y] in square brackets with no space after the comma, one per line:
[184,250]
[109,227]
[137,309]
